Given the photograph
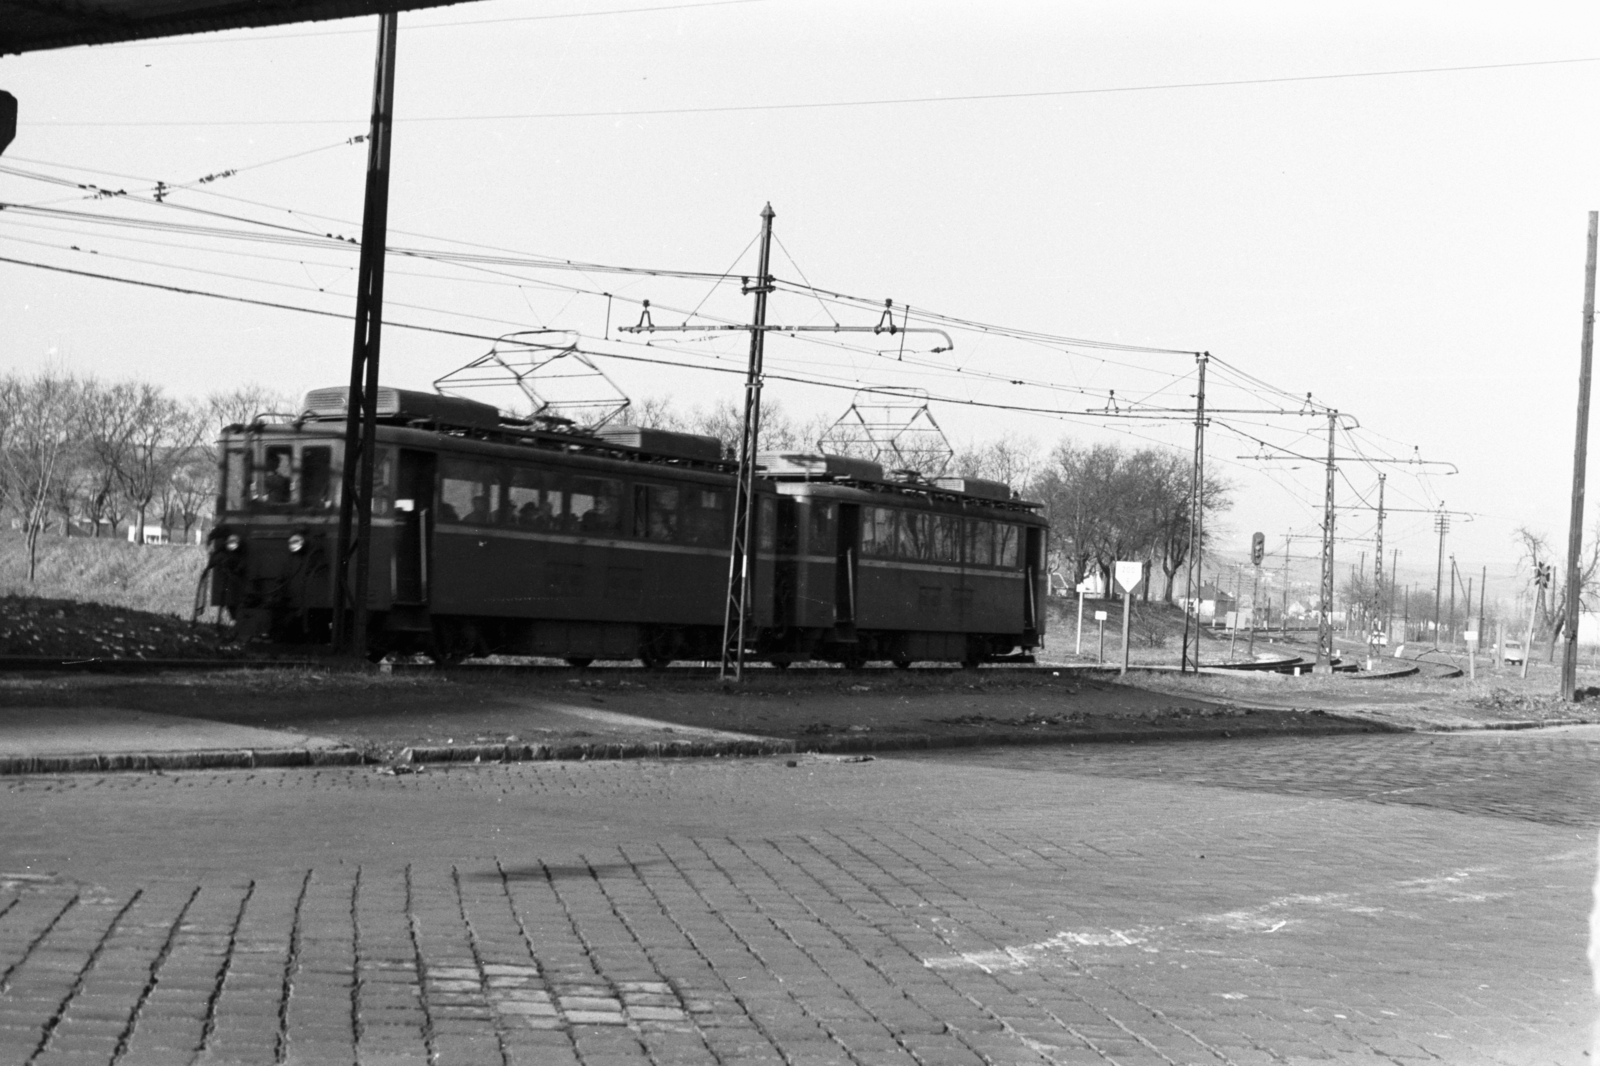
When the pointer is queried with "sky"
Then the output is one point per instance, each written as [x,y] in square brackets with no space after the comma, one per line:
[1303,191]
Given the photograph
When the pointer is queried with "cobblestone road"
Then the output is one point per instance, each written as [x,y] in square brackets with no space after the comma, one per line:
[1376,899]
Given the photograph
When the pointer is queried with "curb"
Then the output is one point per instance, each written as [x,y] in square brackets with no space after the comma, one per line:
[245,759]
[469,754]
[673,749]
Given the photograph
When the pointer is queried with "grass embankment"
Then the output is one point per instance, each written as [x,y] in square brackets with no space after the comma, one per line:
[101,598]
[159,579]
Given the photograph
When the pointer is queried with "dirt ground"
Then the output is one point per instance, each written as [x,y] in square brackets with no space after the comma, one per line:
[384,713]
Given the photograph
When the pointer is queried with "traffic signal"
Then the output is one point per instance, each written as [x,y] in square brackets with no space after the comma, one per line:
[1258,549]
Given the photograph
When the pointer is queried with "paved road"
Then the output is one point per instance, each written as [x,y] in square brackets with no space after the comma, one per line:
[1375,899]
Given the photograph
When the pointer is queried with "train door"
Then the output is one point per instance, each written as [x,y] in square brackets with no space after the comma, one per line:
[1033,558]
[845,570]
[413,521]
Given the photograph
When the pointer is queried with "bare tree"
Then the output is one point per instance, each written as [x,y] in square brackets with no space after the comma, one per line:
[40,416]
[164,433]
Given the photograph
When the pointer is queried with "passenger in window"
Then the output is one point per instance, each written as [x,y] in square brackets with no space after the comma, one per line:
[275,484]
[448,513]
[479,515]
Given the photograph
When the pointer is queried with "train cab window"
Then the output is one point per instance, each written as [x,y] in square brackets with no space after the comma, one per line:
[235,475]
[275,478]
[914,537]
[316,478]
[878,531]
[946,538]
[593,505]
[823,527]
[704,520]
[980,542]
[655,512]
[532,501]
[1006,545]
[469,492]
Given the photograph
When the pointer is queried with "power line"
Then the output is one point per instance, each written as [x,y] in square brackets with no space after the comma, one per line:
[881,102]
[254,38]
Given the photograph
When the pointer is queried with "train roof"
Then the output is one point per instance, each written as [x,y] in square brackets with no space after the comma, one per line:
[460,417]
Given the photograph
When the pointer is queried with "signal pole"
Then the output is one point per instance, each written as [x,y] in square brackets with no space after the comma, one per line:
[1569,659]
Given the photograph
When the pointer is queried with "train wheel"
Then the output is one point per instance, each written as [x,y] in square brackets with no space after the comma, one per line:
[579,661]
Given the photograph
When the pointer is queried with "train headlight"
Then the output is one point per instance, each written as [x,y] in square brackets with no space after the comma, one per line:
[297,543]
[233,543]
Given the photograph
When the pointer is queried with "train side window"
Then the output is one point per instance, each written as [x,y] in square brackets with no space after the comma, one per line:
[980,542]
[235,475]
[383,483]
[469,492]
[767,524]
[316,477]
[594,505]
[1006,548]
[878,533]
[655,512]
[947,538]
[531,500]
[705,518]
[913,540]
[823,527]
[275,479]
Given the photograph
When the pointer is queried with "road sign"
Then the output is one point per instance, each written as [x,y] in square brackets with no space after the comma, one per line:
[1099,616]
[1129,576]
[1258,549]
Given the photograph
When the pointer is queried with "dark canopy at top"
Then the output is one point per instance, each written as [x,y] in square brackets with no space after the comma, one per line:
[34,25]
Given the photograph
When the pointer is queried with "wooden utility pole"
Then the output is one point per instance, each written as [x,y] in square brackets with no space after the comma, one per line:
[353,554]
[1325,615]
[1569,660]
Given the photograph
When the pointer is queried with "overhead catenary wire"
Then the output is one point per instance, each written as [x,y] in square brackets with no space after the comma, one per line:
[823,105]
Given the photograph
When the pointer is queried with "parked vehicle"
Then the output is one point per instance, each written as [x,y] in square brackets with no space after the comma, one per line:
[1513,653]
[490,536]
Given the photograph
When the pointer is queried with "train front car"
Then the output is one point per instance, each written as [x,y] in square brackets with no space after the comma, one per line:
[488,535]
[869,567]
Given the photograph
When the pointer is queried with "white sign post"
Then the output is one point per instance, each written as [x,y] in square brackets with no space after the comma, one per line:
[1129,577]
[1472,654]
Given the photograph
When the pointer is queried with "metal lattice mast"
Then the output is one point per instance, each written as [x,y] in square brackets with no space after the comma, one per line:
[1441,524]
[1196,516]
[745,513]
[1325,610]
[1377,565]
[353,555]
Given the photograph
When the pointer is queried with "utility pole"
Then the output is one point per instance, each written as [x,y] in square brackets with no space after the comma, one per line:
[1196,515]
[354,550]
[745,515]
[1452,598]
[1394,590]
[1377,562]
[1441,523]
[1325,615]
[1283,615]
[1569,660]
[1483,594]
